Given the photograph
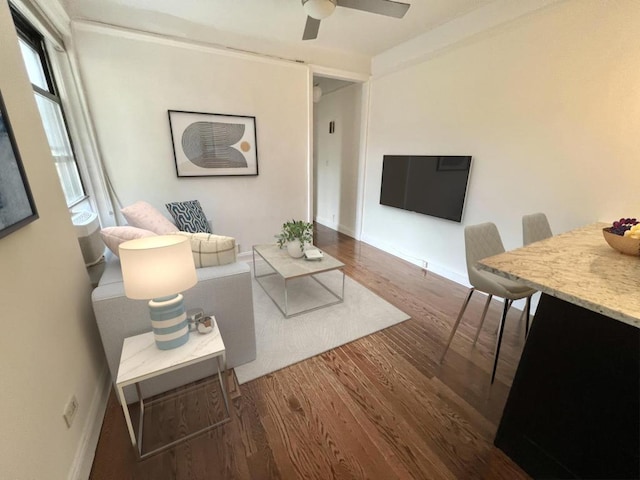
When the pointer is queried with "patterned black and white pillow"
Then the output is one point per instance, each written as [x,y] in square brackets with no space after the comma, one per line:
[189,216]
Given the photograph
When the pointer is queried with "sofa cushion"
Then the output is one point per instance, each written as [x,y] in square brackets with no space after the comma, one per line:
[189,216]
[210,250]
[114,236]
[144,215]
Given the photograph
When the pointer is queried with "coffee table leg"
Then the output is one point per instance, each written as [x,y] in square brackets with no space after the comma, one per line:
[253,251]
[286,300]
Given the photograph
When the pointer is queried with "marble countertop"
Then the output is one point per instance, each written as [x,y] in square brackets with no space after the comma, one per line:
[579,267]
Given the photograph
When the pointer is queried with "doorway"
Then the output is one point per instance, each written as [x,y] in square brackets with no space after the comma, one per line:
[337,153]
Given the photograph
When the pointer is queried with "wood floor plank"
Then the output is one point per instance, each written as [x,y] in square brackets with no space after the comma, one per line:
[447,432]
[381,407]
[417,388]
[316,428]
[399,434]
[297,445]
[330,425]
[338,407]
[257,448]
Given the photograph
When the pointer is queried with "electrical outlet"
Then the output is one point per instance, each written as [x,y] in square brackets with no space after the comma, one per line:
[70,411]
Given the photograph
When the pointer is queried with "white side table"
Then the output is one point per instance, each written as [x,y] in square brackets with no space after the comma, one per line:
[142,360]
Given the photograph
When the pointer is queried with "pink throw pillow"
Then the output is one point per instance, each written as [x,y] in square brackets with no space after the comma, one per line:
[143,215]
[114,236]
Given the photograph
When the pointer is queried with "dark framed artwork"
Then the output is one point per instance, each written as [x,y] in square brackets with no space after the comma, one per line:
[17,208]
[211,144]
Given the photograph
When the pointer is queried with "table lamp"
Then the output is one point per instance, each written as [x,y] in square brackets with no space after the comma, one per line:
[158,269]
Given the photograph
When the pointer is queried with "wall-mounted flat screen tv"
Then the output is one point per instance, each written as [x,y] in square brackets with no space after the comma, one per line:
[427,184]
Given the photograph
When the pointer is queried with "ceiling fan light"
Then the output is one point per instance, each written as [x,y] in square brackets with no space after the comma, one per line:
[319,9]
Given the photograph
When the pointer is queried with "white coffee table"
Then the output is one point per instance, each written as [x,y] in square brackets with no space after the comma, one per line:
[289,269]
[142,360]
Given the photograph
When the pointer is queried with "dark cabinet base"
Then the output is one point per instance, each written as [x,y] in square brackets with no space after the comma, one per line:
[574,407]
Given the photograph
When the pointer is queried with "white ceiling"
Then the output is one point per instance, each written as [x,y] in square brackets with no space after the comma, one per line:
[276,21]
[329,85]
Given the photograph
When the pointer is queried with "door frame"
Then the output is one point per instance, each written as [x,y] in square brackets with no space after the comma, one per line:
[364,81]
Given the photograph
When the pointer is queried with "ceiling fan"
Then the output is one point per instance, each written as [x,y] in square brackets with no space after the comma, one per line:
[318,9]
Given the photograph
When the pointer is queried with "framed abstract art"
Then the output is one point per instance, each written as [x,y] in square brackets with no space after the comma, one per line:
[211,144]
[17,207]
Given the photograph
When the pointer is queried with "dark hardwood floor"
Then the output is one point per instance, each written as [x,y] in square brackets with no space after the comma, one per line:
[380,407]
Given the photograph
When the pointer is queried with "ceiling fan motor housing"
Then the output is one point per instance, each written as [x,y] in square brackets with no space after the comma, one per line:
[319,9]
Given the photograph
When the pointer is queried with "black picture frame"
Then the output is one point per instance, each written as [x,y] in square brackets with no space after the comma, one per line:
[17,207]
[213,144]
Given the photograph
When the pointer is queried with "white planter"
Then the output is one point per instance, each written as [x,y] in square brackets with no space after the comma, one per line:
[293,248]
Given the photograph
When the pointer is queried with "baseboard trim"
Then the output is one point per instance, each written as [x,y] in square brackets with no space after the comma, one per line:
[444,272]
[336,226]
[433,267]
[83,460]
[245,257]
[327,223]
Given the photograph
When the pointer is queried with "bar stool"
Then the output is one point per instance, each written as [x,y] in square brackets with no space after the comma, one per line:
[535,227]
[482,241]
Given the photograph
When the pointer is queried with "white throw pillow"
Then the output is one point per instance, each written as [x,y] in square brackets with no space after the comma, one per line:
[114,236]
[209,249]
[144,215]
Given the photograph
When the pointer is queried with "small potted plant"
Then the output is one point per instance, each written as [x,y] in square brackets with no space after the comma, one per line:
[295,234]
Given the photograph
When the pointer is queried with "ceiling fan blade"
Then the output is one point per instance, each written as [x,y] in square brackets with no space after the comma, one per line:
[311,29]
[381,7]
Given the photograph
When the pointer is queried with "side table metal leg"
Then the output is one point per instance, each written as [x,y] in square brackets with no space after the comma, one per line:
[127,415]
[221,367]
[223,383]
[141,423]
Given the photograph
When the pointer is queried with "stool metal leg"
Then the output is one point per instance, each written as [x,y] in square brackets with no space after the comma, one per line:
[526,325]
[500,332]
[484,314]
[509,303]
[455,325]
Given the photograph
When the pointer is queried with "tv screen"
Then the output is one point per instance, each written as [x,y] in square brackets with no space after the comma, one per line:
[427,184]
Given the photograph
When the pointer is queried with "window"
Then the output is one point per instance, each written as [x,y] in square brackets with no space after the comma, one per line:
[36,61]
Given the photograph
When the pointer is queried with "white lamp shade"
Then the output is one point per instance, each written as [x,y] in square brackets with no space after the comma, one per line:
[317,94]
[156,267]
[319,9]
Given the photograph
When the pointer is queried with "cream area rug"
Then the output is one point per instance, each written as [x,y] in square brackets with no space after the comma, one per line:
[281,342]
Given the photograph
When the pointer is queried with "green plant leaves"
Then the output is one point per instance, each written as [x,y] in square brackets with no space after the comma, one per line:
[296,230]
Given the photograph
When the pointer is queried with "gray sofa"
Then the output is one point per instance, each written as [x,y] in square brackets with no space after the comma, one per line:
[224,291]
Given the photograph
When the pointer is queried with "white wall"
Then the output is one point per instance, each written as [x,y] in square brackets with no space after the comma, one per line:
[49,344]
[132,80]
[336,158]
[548,106]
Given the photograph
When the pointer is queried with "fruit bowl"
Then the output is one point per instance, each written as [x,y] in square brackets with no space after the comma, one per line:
[621,243]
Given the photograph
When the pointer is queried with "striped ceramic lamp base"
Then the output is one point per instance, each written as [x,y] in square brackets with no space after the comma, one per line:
[169,322]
